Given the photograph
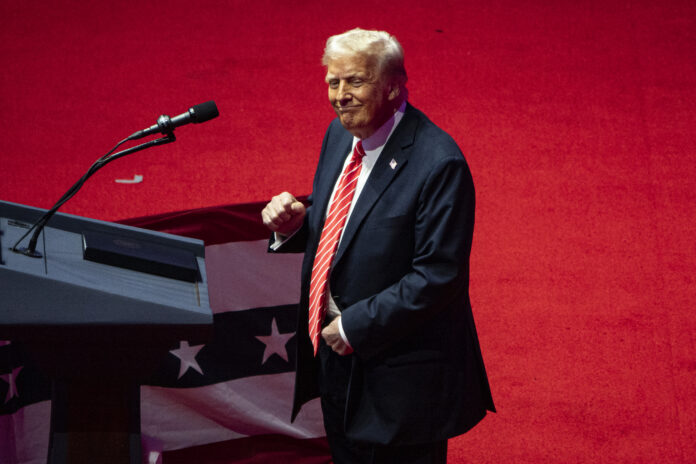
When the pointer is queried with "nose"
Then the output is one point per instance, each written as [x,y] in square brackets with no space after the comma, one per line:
[342,92]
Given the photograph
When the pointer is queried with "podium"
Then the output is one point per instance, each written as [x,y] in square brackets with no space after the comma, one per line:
[97,313]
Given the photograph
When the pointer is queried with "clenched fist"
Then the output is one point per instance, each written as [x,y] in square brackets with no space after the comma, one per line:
[283,214]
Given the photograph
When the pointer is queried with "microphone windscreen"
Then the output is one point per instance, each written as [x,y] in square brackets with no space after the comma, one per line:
[204,112]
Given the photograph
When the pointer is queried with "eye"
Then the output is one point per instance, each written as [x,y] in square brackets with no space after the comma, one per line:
[356,82]
[333,83]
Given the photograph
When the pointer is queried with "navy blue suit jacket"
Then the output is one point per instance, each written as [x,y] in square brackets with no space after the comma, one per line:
[400,278]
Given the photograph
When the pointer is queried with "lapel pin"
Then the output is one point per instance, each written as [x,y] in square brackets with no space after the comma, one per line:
[392,163]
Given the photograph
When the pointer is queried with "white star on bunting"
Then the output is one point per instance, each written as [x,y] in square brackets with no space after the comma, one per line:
[275,342]
[11,380]
[187,356]
[155,457]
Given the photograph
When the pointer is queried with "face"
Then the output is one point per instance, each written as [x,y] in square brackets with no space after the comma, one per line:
[361,97]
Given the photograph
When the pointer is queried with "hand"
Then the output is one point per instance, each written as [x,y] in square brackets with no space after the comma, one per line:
[332,336]
[283,214]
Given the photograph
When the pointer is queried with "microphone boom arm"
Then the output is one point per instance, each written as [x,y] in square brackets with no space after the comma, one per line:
[100,163]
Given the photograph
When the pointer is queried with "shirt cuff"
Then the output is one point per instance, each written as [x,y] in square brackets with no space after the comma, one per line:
[343,334]
[278,240]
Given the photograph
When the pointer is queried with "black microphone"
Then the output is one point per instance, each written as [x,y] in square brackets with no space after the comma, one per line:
[196,114]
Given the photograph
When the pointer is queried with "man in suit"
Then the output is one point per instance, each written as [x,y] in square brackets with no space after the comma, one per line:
[385,332]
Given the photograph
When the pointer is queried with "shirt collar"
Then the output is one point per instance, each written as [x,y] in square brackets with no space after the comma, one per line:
[374,144]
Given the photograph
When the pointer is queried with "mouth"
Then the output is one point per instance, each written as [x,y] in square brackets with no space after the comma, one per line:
[343,109]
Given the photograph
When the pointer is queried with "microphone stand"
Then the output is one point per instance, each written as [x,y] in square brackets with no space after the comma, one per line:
[100,163]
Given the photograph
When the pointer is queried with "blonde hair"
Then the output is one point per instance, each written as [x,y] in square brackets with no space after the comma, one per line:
[378,45]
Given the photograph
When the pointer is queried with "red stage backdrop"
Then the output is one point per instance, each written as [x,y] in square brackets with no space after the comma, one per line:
[576,118]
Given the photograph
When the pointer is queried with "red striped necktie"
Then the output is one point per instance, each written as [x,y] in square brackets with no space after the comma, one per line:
[328,242]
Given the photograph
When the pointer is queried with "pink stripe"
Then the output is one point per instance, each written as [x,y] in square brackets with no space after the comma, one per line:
[323,262]
[332,234]
[348,189]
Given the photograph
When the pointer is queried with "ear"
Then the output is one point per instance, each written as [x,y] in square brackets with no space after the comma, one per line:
[394,90]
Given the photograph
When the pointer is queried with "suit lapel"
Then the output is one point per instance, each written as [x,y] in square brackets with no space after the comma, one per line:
[392,159]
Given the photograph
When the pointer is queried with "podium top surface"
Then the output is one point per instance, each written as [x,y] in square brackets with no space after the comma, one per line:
[62,289]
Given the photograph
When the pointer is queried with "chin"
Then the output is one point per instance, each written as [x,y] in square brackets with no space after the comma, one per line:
[347,122]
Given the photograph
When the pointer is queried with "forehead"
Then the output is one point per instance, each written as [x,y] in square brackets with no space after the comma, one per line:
[350,65]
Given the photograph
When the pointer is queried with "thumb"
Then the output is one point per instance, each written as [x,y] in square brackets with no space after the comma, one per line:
[297,207]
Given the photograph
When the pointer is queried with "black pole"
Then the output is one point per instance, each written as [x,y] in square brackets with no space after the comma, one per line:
[100,163]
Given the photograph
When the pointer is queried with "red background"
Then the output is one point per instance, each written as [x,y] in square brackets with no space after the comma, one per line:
[577,120]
